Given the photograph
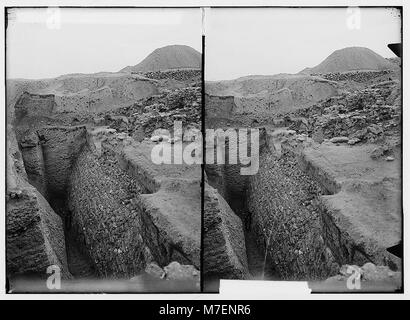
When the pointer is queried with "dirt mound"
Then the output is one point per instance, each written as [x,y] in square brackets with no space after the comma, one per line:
[169,57]
[352,58]
[85,93]
[260,96]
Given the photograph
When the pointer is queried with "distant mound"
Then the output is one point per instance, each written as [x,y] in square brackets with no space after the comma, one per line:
[350,59]
[169,57]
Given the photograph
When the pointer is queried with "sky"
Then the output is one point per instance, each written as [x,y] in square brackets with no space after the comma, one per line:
[45,43]
[261,41]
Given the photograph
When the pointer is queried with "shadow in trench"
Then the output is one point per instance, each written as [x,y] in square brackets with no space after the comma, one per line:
[79,263]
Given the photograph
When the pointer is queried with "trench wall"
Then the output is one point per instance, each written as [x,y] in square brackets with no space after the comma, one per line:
[227,178]
[49,154]
[105,216]
[60,150]
[346,245]
[225,254]
[286,216]
[34,232]
[125,215]
[32,154]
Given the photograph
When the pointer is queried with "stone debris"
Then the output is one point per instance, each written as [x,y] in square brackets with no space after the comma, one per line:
[155,270]
[193,75]
[370,114]
[368,272]
[156,138]
[339,140]
[353,141]
[159,112]
[357,76]
[177,271]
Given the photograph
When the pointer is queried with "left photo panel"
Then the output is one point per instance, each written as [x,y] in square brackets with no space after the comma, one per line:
[104,150]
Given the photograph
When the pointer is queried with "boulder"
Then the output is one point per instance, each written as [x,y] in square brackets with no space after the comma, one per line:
[339,140]
[377,153]
[155,270]
[353,141]
[177,271]
[156,138]
[375,129]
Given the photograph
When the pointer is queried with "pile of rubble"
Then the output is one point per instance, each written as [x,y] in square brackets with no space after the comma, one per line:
[173,271]
[176,74]
[358,76]
[368,115]
[141,119]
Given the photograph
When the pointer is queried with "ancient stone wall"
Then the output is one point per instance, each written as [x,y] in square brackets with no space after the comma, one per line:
[104,214]
[282,201]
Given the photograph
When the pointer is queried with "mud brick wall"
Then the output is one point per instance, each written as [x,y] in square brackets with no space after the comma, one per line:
[49,154]
[60,149]
[219,107]
[34,105]
[287,220]
[104,214]
[76,103]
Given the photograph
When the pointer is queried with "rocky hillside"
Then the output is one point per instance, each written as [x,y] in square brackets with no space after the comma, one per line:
[169,57]
[352,58]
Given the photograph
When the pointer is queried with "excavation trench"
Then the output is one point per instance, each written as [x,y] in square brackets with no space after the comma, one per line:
[79,262]
[234,189]
[281,217]
[286,217]
[93,196]
[115,211]
[49,154]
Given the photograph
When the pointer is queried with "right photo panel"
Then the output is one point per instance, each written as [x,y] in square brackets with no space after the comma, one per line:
[303,147]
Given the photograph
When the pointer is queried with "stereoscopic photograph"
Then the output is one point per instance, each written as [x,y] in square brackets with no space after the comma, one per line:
[164,150]
[316,93]
[98,99]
